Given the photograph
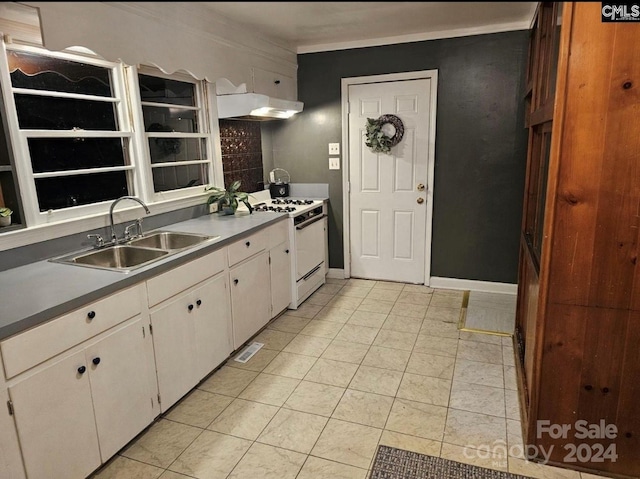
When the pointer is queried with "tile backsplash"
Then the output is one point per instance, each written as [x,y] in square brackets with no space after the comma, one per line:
[241,145]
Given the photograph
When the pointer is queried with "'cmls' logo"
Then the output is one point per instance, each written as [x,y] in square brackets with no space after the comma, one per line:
[620,12]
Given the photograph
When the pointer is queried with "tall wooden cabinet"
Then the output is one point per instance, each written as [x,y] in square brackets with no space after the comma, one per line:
[578,321]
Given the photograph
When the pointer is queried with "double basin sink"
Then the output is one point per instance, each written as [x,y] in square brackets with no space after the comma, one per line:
[136,252]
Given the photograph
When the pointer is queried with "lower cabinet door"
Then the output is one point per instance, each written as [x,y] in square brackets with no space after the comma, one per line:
[119,375]
[250,297]
[55,421]
[280,278]
[173,342]
[212,324]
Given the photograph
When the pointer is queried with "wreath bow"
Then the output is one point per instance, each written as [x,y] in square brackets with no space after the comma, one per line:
[376,138]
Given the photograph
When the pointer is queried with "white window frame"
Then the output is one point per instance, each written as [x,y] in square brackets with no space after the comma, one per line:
[19,138]
[40,227]
[204,124]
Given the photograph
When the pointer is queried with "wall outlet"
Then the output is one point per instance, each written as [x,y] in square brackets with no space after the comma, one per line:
[334,163]
[334,148]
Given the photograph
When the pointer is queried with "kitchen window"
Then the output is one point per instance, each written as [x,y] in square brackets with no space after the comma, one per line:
[72,137]
[86,131]
[177,138]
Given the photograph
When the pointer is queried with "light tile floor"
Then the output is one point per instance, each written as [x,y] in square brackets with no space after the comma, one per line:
[360,363]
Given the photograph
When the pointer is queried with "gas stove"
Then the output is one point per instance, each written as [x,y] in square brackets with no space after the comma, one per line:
[293,206]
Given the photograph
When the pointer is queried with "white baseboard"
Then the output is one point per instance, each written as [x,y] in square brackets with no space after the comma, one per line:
[335,273]
[473,285]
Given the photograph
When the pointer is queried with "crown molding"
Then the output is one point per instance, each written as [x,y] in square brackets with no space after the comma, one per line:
[416,37]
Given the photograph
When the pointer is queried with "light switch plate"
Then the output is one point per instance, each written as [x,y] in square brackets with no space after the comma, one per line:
[334,148]
[334,163]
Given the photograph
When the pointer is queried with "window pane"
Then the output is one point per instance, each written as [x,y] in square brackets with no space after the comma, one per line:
[40,72]
[163,90]
[66,191]
[164,150]
[170,119]
[46,113]
[63,154]
[177,177]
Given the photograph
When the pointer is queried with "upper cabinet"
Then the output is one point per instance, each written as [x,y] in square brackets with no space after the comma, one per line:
[276,85]
[578,316]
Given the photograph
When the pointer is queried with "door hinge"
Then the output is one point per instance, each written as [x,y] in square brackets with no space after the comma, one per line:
[10,407]
[151,329]
[269,259]
[348,187]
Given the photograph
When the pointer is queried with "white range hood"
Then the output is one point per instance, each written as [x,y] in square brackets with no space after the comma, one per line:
[254,106]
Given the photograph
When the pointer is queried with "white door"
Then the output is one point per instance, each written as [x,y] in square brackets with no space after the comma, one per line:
[389,198]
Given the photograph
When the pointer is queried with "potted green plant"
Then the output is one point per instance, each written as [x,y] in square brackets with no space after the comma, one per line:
[228,199]
[5,216]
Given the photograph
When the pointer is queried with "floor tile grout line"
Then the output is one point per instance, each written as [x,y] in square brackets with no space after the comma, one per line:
[369,346]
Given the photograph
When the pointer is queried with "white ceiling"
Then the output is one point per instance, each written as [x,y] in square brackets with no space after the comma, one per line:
[319,26]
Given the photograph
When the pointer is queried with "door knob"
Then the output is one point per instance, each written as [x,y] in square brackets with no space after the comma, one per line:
[420,187]
[420,200]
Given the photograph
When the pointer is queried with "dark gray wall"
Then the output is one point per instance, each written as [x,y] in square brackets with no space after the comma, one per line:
[480,143]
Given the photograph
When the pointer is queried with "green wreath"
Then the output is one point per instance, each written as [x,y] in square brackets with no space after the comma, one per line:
[377,140]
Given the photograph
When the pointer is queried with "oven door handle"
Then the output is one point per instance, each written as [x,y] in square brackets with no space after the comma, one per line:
[309,223]
[310,273]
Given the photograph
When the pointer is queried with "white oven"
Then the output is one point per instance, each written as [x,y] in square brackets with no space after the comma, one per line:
[309,232]
[308,242]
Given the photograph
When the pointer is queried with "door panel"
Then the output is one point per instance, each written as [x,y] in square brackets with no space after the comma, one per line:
[120,386]
[388,211]
[55,421]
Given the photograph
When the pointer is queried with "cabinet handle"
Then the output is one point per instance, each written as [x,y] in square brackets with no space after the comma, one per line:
[277,82]
[81,370]
[199,302]
[190,307]
[235,281]
[95,361]
[91,314]
[286,251]
[248,243]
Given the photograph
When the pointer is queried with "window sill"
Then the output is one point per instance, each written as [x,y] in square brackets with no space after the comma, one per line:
[39,233]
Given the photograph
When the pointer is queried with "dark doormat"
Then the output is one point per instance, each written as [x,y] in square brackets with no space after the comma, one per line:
[392,463]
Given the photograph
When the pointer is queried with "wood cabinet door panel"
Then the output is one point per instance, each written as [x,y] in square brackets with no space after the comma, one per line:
[212,324]
[280,278]
[173,340]
[55,421]
[250,298]
[120,386]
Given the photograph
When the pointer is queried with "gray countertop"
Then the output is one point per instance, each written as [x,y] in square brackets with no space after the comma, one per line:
[40,291]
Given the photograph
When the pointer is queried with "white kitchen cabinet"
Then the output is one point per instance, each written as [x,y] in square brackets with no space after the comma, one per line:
[120,388]
[279,266]
[250,297]
[274,84]
[77,411]
[191,336]
[55,421]
[10,458]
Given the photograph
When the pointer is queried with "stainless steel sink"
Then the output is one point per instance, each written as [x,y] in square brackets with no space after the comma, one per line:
[171,240]
[119,257]
[137,252]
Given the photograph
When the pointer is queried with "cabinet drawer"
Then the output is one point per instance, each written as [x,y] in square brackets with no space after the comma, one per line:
[278,233]
[25,350]
[183,277]
[247,247]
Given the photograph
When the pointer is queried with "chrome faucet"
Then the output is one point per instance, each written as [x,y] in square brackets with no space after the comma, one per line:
[139,221]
